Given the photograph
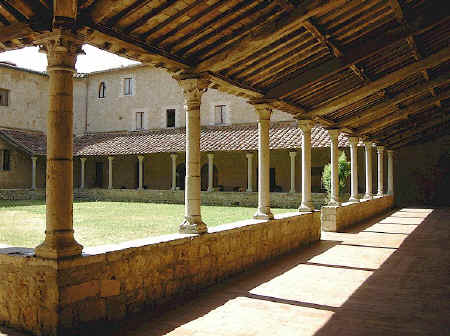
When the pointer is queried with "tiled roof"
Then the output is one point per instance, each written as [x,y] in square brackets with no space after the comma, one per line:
[32,142]
[213,138]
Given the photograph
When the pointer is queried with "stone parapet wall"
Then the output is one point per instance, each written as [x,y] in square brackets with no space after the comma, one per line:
[245,199]
[21,194]
[108,283]
[338,218]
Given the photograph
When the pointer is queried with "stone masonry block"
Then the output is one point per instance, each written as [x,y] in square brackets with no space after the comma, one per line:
[109,288]
[79,292]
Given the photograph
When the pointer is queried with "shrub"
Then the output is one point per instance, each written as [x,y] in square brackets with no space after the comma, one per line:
[344,170]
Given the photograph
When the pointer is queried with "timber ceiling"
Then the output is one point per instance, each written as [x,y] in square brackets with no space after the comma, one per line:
[378,69]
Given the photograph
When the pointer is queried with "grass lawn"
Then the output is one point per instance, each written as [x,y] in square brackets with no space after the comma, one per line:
[22,223]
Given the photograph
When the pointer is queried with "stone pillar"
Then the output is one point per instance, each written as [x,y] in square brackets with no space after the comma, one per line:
[141,172]
[174,171]
[62,49]
[33,172]
[380,155]
[193,87]
[83,173]
[306,126]
[368,147]
[210,172]
[354,197]
[249,171]
[334,197]
[292,156]
[110,172]
[390,154]
[264,111]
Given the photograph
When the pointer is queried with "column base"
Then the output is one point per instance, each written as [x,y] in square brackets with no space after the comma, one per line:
[333,202]
[249,190]
[193,226]
[368,196]
[354,200]
[263,213]
[58,245]
[306,207]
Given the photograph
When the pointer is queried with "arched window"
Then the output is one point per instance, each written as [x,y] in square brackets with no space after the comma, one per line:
[101,90]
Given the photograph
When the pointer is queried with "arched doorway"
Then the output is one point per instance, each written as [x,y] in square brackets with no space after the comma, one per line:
[181,176]
[204,176]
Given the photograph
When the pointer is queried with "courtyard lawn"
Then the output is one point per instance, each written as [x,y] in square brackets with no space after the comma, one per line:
[22,223]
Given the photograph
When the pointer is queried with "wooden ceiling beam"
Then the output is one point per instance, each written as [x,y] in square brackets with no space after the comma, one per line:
[286,4]
[269,33]
[398,11]
[133,8]
[426,135]
[13,11]
[374,112]
[382,83]
[16,30]
[322,37]
[101,9]
[401,114]
[4,20]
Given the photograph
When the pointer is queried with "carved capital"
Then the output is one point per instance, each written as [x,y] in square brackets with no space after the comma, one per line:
[368,145]
[353,141]
[334,133]
[305,125]
[62,48]
[380,149]
[262,108]
[194,86]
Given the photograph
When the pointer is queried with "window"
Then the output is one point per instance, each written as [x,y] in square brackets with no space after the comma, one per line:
[5,160]
[139,120]
[127,87]
[170,117]
[219,112]
[4,97]
[101,90]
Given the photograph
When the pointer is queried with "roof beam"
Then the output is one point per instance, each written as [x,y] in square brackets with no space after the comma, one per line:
[398,11]
[15,31]
[286,4]
[374,112]
[101,9]
[352,56]
[382,83]
[135,6]
[13,11]
[268,34]
[402,114]
[322,37]
[427,134]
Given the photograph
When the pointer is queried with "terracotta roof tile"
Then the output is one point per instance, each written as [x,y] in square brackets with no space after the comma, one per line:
[33,142]
[213,139]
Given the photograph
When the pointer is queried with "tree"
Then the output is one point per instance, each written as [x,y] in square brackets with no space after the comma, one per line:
[344,170]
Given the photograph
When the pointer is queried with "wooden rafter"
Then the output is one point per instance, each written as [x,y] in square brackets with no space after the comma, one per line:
[16,30]
[13,11]
[398,11]
[286,4]
[133,8]
[4,20]
[425,135]
[322,37]
[265,36]
[382,83]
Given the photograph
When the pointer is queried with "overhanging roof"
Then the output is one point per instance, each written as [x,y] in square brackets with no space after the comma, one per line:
[343,63]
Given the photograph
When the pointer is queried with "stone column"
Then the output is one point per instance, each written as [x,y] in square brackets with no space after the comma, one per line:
[292,156]
[368,147]
[306,126]
[334,197]
[210,172]
[354,197]
[249,171]
[83,173]
[174,171]
[141,171]
[110,172]
[62,49]
[193,87]
[390,154]
[33,172]
[380,152]
[264,111]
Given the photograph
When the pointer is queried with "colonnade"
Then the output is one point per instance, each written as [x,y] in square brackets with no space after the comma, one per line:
[62,49]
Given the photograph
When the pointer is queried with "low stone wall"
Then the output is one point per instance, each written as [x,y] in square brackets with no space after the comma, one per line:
[245,199]
[108,283]
[341,217]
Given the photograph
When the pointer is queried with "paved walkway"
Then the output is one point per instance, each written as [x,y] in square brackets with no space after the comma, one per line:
[390,276]
[387,277]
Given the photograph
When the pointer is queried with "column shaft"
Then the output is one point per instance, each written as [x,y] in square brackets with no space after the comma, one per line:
[174,171]
[380,152]
[249,172]
[33,172]
[83,173]
[306,127]
[193,88]
[368,152]
[62,49]
[334,197]
[141,172]
[390,172]
[264,112]
[110,172]
[354,197]
[292,156]
[210,172]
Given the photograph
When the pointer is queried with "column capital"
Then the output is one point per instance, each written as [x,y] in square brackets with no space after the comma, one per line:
[249,155]
[292,154]
[140,158]
[194,86]
[110,158]
[173,156]
[390,151]
[210,156]
[380,149]
[34,158]
[368,144]
[334,133]
[262,108]
[83,159]
[353,140]
[305,125]
[62,48]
